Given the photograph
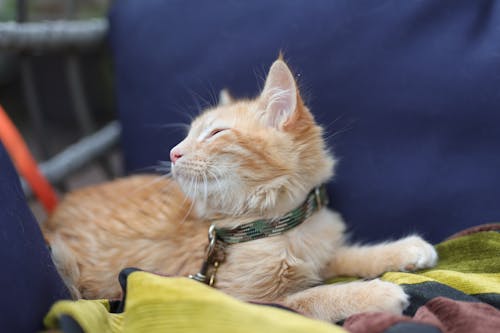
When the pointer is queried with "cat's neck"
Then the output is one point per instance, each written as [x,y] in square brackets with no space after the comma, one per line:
[284,206]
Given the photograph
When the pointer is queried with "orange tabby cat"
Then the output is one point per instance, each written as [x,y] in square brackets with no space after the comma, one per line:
[244,161]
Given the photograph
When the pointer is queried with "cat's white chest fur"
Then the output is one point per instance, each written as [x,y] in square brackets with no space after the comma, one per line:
[276,266]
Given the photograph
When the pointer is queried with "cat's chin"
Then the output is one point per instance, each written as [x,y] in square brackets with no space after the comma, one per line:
[198,187]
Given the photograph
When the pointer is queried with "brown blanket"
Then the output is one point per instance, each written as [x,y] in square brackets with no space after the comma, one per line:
[438,315]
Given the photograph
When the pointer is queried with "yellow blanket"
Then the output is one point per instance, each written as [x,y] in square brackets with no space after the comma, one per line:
[468,270]
[180,305]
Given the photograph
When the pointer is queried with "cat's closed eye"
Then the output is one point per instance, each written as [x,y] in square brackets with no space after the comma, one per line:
[217,131]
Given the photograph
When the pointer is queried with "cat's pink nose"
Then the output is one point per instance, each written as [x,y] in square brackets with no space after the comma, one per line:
[175,154]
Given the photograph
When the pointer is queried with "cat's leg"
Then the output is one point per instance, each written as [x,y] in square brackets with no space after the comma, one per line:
[407,254]
[339,301]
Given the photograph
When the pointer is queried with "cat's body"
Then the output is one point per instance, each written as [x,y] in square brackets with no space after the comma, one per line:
[249,160]
[131,222]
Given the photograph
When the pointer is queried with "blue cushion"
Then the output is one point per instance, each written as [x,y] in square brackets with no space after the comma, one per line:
[408,91]
[29,280]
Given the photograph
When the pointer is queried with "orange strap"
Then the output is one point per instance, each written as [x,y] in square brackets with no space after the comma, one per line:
[25,163]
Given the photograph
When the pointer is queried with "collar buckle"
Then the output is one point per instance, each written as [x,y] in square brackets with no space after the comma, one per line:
[201,276]
[317,196]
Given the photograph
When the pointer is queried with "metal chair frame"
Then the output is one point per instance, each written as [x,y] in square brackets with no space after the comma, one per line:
[67,36]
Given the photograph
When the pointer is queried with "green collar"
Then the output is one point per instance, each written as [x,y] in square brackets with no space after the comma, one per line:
[214,255]
[315,200]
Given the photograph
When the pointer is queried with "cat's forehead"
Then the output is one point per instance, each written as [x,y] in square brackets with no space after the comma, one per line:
[228,116]
[208,117]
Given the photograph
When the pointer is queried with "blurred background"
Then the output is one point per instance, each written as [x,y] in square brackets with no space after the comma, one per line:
[408,92]
[58,91]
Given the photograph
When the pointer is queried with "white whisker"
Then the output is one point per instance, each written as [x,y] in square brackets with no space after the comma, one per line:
[219,186]
[205,186]
[191,205]
[157,179]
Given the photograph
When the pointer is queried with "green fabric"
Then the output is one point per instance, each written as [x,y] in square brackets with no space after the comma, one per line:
[468,269]
[470,264]
[476,253]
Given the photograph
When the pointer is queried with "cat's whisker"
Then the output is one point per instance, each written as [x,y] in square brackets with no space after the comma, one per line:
[188,193]
[260,75]
[347,127]
[191,205]
[205,186]
[219,186]
[163,171]
[196,97]
[143,187]
[166,174]
[185,112]
[183,126]
[334,134]
[157,179]
[144,169]
[214,96]
[175,125]
[333,122]
[215,177]
[164,166]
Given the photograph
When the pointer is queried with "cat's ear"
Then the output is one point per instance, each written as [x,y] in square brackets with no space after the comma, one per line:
[280,97]
[225,98]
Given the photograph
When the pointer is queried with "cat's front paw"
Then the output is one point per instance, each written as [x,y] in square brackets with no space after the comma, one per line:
[415,253]
[386,297]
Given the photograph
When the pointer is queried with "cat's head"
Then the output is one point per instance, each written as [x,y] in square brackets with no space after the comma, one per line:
[258,157]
